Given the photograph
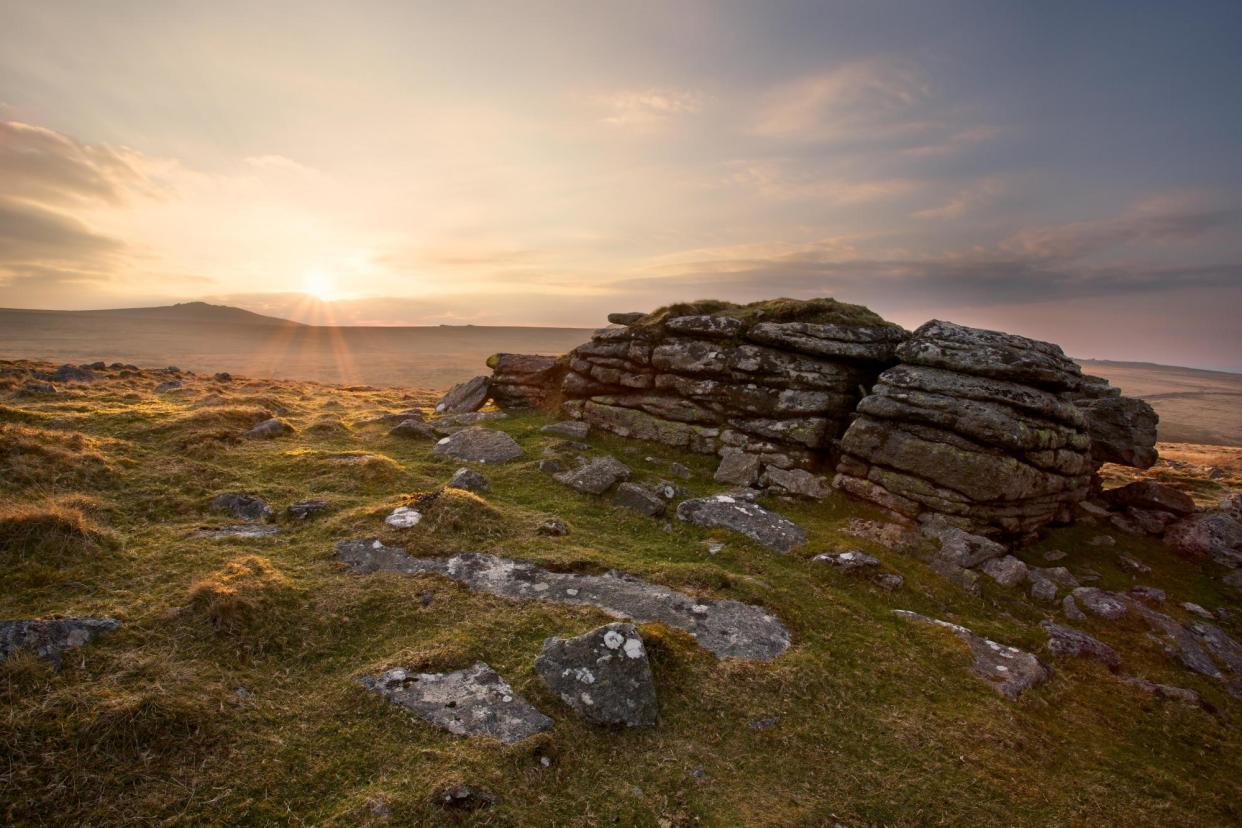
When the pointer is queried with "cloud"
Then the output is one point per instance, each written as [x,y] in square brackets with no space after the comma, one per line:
[45,166]
[648,107]
[967,201]
[785,179]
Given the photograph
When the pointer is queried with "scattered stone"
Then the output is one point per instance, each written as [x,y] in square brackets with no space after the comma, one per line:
[304,509]
[465,397]
[1059,575]
[1134,565]
[595,477]
[1232,505]
[470,702]
[1180,643]
[38,387]
[1102,540]
[1008,571]
[223,376]
[1104,604]
[569,429]
[680,471]
[604,675]
[890,581]
[726,628]
[169,385]
[849,560]
[464,798]
[1054,555]
[1070,607]
[1227,651]
[266,430]
[49,638]
[1150,495]
[797,482]
[714,547]
[1212,534]
[960,547]
[242,505]
[1148,594]
[553,527]
[479,445]
[551,465]
[640,499]
[470,481]
[1165,691]
[738,469]
[967,579]
[453,423]
[411,427]
[1071,643]
[765,723]
[1043,589]
[1195,609]
[729,511]
[245,530]
[403,517]
[1008,670]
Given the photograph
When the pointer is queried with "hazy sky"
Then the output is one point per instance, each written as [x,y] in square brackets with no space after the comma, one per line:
[1069,170]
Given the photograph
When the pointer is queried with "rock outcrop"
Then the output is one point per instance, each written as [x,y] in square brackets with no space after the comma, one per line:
[976,426]
[525,380]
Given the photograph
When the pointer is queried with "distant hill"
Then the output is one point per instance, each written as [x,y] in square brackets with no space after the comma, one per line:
[180,312]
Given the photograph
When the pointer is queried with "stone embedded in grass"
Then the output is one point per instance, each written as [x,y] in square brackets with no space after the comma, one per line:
[638,498]
[403,517]
[479,445]
[48,639]
[569,429]
[1072,643]
[1164,691]
[849,560]
[411,427]
[242,505]
[34,387]
[470,481]
[1104,604]
[726,628]
[168,385]
[1007,669]
[729,511]
[797,482]
[1151,496]
[245,530]
[474,701]
[1007,571]
[958,546]
[452,423]
[266,430]
[305,509]
[604,675]
[463,798]
[738,468]
[553,528]
[1179,643]
[595,477]
[465,397]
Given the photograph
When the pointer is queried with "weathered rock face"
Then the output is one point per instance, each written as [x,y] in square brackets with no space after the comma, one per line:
[479,445]
[526,381]
[604,675]
[976,426]
[465,397]
[1122,429]
[774,381]
[728,511]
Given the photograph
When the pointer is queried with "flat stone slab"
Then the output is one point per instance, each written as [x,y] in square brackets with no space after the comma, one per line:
[479,445]
[604,675]
[739,515]
[595,477]
[243,530]
[48,639]
[470,702]
[728,629]
[1007,669]
[1072,643]
[465,397]
[242,505]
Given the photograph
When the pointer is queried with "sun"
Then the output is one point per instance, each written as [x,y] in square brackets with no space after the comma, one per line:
[320,285]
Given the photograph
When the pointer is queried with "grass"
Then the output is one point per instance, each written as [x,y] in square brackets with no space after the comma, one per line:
[230,694]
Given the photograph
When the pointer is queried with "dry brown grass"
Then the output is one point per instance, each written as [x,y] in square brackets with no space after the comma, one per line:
[50,459]
[49,531]
[248,598]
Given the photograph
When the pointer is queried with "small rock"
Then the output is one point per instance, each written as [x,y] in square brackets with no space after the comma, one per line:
[223,376]
[1102,540]
[639,499]
[1165,691]
[714,547]
[470,481]
[469,702]
[798,482]
[465,397]
[37,387]
[1069,642]
[730,511]
[1195,609]
[596,477]
[849,560]
[569,429]
[1008,571]
[738,468]
[680,471]
[604,675]
[266,430]
[479,445]
[304,509]
[403,517]
[960,547]
[1059,575]
[1216,535]
[245,530]
[765,722]
[411,427]
[1227,651]
[890,581]
[170,385]
[1070,607]
[1179,642]
[625,319]
[464,798]
[1148,594]
[551,465]
[1043,589]
[1098,602]
[1232,505]
[553,527]
[1133,565]
[48,639]
[1054,555]
[242,505]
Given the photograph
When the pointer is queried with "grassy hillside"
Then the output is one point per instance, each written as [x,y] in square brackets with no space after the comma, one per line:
[229,696]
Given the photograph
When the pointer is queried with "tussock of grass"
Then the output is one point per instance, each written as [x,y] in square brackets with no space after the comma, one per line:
[460,515]
[328,426]
[49,531]
[49,459]
[248,598]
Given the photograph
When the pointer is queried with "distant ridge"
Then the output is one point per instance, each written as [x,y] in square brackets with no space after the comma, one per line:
[180,312]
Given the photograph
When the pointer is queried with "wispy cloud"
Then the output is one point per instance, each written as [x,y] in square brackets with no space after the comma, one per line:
[646,108]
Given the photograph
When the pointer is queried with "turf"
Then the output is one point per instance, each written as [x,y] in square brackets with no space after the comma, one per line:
[229,696]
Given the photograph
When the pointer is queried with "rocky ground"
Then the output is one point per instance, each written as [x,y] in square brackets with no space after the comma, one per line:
[258,602]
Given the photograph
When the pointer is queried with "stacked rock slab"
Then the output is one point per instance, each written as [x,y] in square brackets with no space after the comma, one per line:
[977,426]
[526,380]
[773,380]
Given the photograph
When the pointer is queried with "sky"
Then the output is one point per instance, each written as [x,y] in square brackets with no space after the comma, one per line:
[1064,170]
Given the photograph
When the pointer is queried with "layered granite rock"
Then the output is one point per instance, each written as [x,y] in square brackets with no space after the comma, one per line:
[525,380]
[978,427]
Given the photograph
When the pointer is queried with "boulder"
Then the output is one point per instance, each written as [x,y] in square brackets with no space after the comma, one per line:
[1007,571]
[465,396]
[411,427]
[49,639]
[960,547]
[640,499]
[603,675]
[474,701]
[1122,429]
[626,319]
[569,429]
[1071,643]
[1108,605]
[738,469]
[730,511]
[596,476]
[476,444]
[1215,535]
[270,428]
[525,380]
[797,482]
[242,505]
[469,480]
[1150,496]
[1232,505]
